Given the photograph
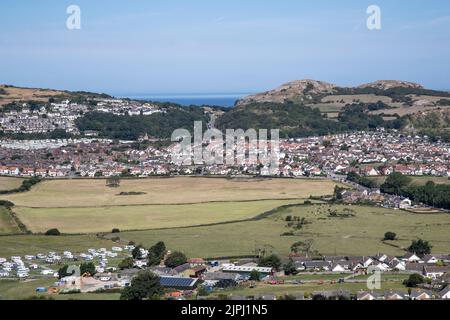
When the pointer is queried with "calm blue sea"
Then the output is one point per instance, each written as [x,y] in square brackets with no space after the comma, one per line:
[222,100]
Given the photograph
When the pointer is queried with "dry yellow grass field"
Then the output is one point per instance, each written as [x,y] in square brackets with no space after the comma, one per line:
[95,193]
[402,111]
[7,183]
[24,94]
[104,219]
[365,98]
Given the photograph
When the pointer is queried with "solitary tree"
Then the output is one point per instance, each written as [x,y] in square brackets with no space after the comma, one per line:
[156,253]
[88,268]
[62,272]
[175,259]
[395,183]
[145,286]
[159,249]
[414,280]
[271,261]
[289,268]
[53,232]
[390,236]
[136,253]
[420,247]
[255,276]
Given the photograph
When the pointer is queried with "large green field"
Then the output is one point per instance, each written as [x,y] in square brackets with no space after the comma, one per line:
[7,223]
[104,219]
[212,218]
[358,235]
[89,206]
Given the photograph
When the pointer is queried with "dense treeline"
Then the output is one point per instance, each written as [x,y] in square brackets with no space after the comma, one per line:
[436,195]
[296,120]
[432,194]
[392,92]
[433,124]
[365,182]
[159,125]
[355,117]
[293,120]
[55,134]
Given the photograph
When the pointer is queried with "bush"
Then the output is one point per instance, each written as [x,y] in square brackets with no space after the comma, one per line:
[73,291]
[414,280]
[115,230]
[53,232]
[390,236]
[6,203]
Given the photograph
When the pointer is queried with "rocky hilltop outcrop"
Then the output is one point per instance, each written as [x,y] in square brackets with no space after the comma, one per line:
[306,90]
[294,90]
[389,84]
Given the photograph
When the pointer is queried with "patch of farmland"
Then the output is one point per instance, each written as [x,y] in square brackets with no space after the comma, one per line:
[180,190]
[357,235]
[7,183]
[104,219]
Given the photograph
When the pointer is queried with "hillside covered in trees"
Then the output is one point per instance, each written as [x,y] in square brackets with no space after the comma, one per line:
[297,120]
[158,125]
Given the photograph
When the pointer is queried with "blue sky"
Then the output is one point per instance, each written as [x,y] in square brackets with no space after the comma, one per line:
[194,46]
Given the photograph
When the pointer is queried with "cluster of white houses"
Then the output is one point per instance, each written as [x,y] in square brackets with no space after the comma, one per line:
[368,153]
[44,118]
[430,266]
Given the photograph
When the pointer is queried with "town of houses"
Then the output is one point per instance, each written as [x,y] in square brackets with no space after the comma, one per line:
[377,153]
[185,280]
[368,154]
[31,119]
